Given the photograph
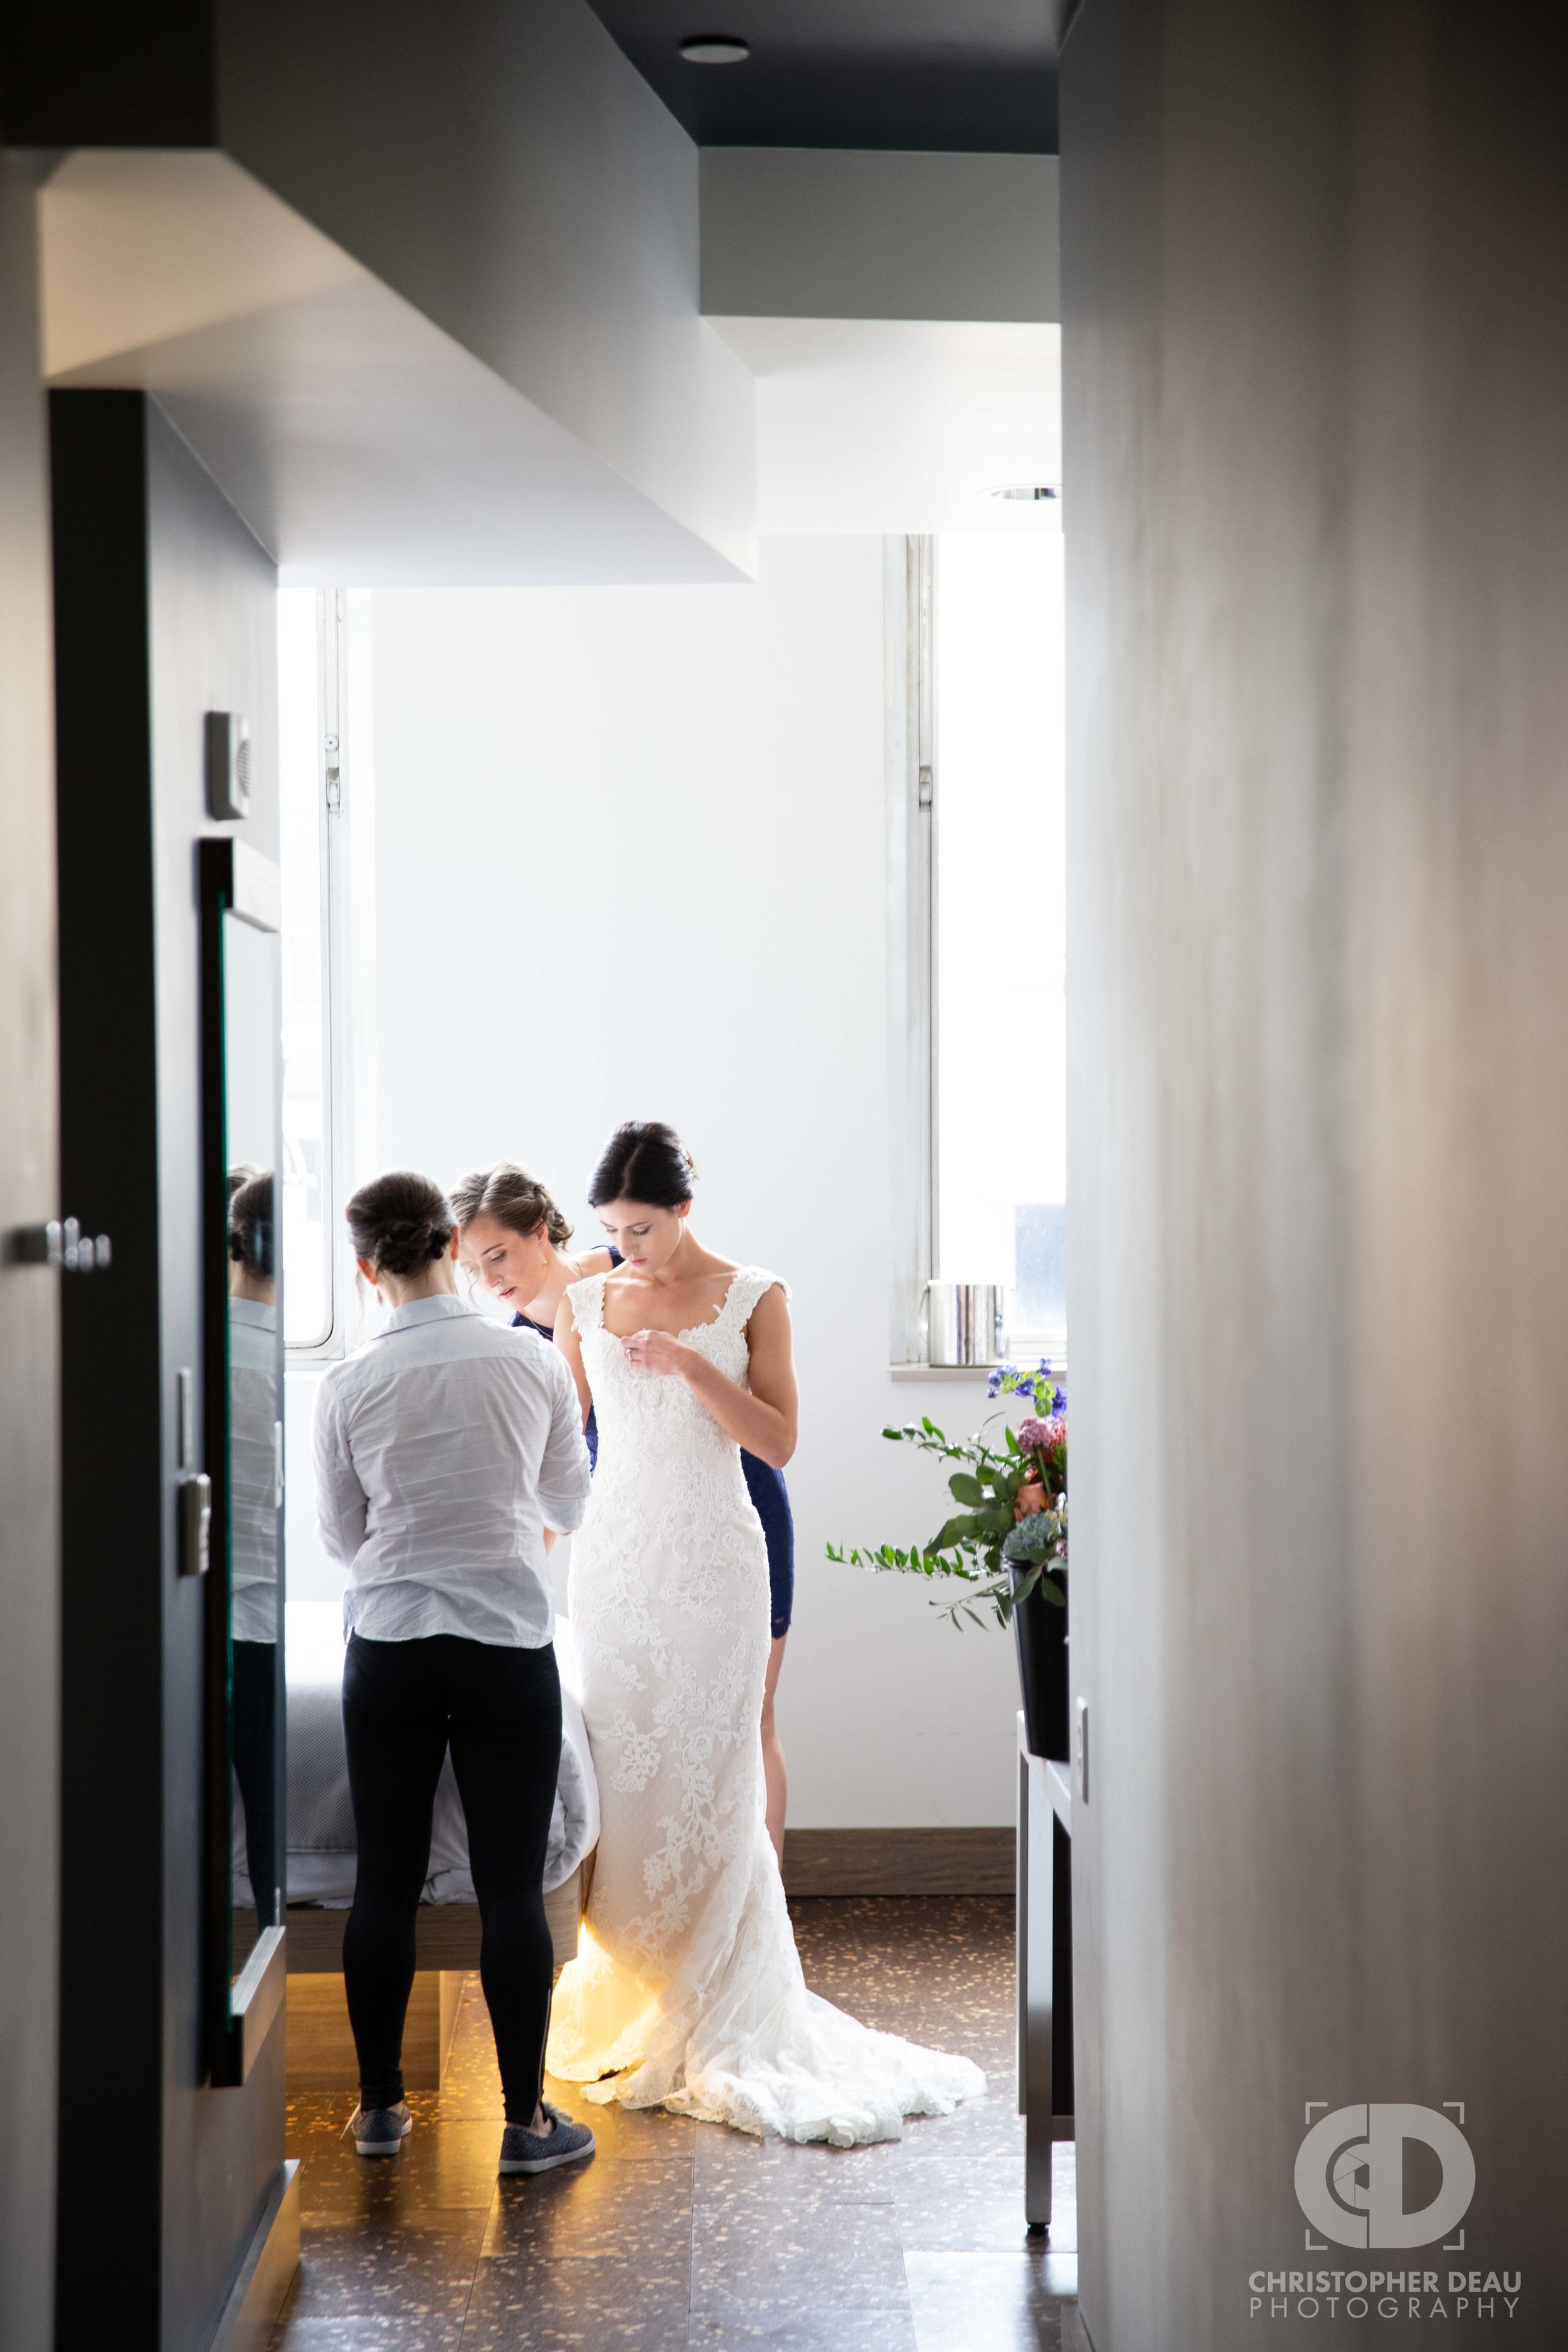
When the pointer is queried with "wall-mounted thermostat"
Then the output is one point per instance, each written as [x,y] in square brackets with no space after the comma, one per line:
[229,765]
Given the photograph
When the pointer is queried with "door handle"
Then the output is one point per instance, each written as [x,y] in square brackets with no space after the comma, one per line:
[60,1243]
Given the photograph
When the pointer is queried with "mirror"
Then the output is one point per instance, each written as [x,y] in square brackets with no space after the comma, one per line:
[255,1415]
[243,1411]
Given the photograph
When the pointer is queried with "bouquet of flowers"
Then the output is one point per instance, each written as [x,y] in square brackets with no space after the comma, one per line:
[1009,1535]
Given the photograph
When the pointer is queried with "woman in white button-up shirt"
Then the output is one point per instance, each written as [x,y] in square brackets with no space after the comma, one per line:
[444,1448]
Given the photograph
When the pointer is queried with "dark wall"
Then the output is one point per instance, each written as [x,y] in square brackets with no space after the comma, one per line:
[165,609]
[1315,332]
[29,1308]
[111,1922]
[92,73]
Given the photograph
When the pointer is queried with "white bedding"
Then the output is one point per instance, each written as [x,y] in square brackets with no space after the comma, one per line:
[320,1864]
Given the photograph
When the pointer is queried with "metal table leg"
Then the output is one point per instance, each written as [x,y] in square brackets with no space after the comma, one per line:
[1045,2004]
[1036,1924]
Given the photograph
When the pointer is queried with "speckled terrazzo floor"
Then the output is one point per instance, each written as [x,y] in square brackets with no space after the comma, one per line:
[683,2237]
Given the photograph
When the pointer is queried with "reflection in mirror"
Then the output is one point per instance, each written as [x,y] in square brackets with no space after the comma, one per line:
[253,1540]
[250,1050]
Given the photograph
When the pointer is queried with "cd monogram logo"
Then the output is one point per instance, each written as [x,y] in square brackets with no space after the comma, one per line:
[1350,2176]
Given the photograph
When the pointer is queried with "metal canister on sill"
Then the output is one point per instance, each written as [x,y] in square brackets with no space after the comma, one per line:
[964,1322]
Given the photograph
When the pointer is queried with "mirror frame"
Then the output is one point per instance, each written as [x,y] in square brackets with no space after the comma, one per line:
[236,2012]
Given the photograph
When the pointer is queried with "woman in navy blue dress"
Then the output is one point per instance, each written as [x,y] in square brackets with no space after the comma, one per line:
[514,1243]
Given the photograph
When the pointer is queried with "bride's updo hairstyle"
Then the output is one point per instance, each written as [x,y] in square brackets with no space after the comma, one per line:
[400,1222]
[644,1160]
[513,1198]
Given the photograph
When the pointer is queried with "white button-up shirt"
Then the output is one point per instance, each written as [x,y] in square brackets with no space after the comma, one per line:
[444,1446]
[253,1469]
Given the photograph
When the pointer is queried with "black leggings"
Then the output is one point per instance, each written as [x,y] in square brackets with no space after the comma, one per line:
[254,1718]
[499,1709]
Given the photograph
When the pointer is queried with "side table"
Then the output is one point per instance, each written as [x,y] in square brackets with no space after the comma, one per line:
[1045,1970]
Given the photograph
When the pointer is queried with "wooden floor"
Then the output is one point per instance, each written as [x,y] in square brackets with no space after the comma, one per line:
[683,2237]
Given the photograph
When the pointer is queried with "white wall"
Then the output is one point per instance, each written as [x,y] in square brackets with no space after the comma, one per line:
[898,425]
[630,861]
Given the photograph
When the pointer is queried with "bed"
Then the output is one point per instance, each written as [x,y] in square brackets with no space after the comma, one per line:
[321,1869]
[321,1842]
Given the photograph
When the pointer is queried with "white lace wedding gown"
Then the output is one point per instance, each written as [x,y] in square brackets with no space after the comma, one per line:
[687,1991]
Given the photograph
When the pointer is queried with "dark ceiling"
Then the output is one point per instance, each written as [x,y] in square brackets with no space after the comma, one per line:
[967,75]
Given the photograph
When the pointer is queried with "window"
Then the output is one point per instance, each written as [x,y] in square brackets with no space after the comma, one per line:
[322,639]
[978,915]
[307,1045]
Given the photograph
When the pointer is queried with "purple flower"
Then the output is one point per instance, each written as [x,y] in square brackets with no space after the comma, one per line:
[994,1385]
[1034,1434]
[1045,1365]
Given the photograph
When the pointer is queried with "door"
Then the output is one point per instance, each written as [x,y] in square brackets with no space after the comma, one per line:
[29,1307]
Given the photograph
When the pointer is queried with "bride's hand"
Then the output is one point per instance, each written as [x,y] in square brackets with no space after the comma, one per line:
[655,1351]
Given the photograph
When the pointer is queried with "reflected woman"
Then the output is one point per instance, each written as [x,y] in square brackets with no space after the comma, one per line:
[253,1555]
[514,1243]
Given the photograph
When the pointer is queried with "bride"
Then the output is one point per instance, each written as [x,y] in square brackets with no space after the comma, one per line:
[687,1991]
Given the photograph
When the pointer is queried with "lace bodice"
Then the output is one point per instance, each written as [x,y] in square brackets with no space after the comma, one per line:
[648,1418]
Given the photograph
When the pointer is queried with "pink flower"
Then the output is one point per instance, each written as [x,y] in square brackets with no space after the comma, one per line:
[1037,1436]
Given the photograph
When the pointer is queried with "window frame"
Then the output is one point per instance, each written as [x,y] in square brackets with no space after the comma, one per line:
[911,620]
[910,711]
[333,705]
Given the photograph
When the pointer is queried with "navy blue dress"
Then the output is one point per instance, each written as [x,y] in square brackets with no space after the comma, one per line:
[765,1486]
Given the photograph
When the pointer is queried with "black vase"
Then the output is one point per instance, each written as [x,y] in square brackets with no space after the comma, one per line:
[1040,1630]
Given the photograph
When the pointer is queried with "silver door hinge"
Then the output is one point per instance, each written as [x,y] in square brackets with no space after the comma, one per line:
[196,1524]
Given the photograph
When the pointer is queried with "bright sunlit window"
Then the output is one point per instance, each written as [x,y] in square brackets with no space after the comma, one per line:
[326,770]
[1000,1161]
[307,1041]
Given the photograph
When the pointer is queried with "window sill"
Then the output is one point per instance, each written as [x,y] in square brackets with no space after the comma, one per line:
[1031,1354]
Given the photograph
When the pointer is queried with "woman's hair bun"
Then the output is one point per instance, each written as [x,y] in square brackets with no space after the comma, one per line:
[645,1161]
[513,1198]
[250,1235]
[400,1222]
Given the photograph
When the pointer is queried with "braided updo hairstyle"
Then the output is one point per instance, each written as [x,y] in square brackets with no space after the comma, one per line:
[513,1198]
[400,1222]
[645,1160]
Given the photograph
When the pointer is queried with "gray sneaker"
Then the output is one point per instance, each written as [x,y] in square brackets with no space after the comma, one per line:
[381,2131]
[565,2143]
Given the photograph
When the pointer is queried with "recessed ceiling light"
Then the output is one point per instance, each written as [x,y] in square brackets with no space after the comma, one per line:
[714,49]
[1028,490]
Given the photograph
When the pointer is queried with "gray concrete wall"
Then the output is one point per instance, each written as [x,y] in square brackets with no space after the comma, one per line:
[30,1311]
[845,233]
[1315,327]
